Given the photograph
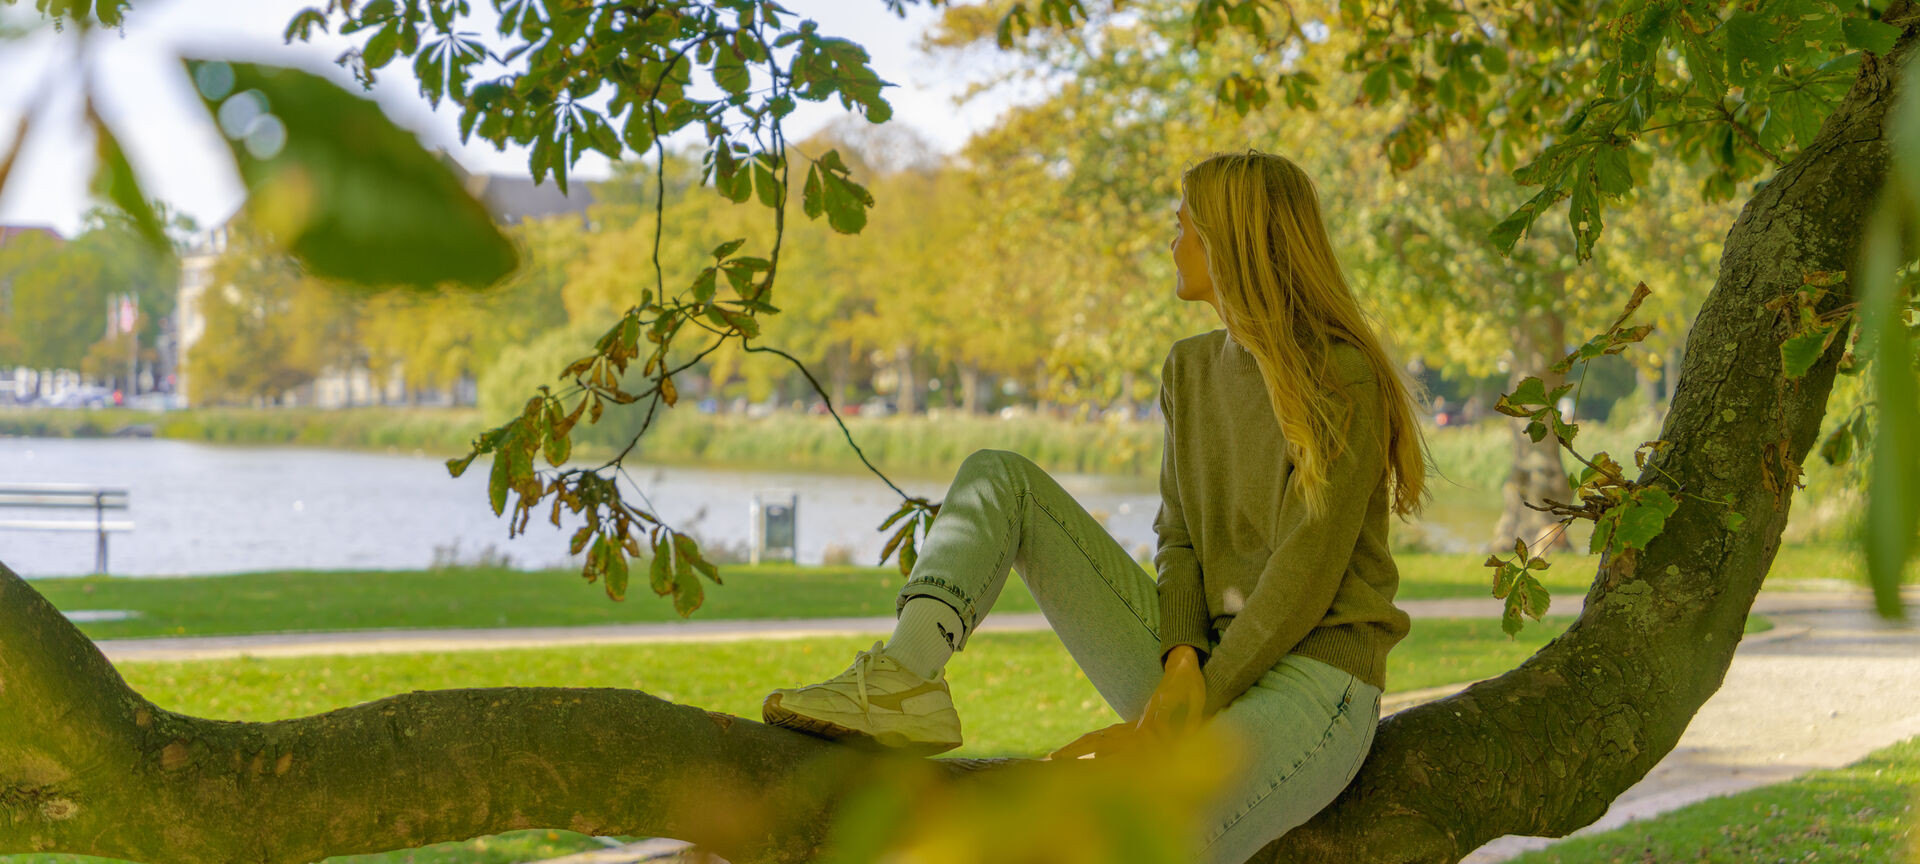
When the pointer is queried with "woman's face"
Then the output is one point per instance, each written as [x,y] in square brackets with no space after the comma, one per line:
[1191,281]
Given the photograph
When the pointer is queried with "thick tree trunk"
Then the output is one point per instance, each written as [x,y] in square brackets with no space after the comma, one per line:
[1670,377]
[906,395]
[1543,749]
[837,368]
[970,388]
[1537,471]
[88,766]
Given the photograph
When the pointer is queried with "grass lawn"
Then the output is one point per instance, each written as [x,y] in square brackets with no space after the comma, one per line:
[482,597]
[1018,693]
[1865,812]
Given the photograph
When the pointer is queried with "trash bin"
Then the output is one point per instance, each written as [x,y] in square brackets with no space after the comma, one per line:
[775,533]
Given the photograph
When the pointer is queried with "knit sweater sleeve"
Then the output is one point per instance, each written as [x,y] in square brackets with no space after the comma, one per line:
[1183,604]
[1302,574]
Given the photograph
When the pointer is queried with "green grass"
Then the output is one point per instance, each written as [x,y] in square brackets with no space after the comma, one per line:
[463,597]
[1865,812]
[512,847]
[491,597]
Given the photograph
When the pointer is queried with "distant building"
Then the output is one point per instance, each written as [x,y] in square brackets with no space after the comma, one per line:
[8,232]
[510,198]
[196,273]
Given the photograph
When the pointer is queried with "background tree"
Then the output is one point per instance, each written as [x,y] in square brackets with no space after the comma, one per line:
[91,767]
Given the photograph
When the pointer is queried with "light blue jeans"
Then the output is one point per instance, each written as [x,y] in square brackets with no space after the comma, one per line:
[1309,724]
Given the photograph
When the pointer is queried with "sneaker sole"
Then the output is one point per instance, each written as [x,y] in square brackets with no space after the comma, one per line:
[777,715]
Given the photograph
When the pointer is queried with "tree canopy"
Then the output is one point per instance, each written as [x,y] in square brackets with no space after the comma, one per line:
[1596,105]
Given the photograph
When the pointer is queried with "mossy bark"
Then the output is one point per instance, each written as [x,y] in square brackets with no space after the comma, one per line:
[88,766]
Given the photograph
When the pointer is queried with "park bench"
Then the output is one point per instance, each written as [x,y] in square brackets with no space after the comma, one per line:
[68,496]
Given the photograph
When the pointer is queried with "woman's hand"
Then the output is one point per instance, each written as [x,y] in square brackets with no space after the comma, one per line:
[1173,710]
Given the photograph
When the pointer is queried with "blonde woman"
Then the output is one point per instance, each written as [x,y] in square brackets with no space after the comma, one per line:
[1290,437]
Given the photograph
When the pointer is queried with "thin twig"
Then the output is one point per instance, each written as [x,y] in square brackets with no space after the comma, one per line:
[1747,136]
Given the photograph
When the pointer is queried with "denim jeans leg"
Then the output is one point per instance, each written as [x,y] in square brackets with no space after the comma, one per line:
[1004,512]
[1307,726]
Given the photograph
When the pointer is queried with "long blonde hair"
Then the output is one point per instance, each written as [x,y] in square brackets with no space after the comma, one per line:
[1284,299]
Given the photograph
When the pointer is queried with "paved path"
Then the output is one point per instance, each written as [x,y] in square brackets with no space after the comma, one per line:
[392,641]
[399,641]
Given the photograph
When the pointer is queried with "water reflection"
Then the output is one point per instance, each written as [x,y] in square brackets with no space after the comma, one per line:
[200,508]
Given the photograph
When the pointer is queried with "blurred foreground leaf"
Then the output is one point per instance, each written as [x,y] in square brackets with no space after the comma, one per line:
[1138,806]
[354,197]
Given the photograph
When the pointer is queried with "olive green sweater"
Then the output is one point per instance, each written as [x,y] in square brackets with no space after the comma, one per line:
[1236,552]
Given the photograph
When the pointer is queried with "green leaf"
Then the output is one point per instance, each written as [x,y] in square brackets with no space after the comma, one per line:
[703,285]
[846,204]
[1643,514]
[1603,531]
[497,482]
[380,49]
[727,248]
[660,572]
[766,184]
[1583,215]
[904,510]
[1534,597]
[688,594]
[1752,51]
[557,449]
[302,24]
[1508,232]
[730,72]
[813,197]
[907,554]
[1838,447]
[1863,34]
[616,572]
[1799,353]
[458,466]
[1510,622]
[114,180]
[1493,59]
[1610,170]
[1704,65]
[355,197]
[1892,518]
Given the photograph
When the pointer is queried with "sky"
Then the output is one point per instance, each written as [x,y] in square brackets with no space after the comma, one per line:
[146,98]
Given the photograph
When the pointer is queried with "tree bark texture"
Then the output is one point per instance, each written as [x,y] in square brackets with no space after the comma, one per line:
[88,766]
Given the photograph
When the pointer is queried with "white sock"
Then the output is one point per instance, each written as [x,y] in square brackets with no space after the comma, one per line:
[925,635]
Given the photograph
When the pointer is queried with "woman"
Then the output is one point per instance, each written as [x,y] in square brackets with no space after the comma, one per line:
[1273,608]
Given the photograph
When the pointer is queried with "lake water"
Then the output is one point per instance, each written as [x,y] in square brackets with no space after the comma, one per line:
[200,508]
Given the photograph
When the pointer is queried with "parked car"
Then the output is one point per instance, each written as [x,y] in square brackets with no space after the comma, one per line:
[81,397]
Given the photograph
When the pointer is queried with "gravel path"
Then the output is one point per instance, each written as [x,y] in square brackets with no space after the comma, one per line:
[1836,685]
[392,641]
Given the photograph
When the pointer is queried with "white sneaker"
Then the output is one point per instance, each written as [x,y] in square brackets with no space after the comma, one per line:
[875,698]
